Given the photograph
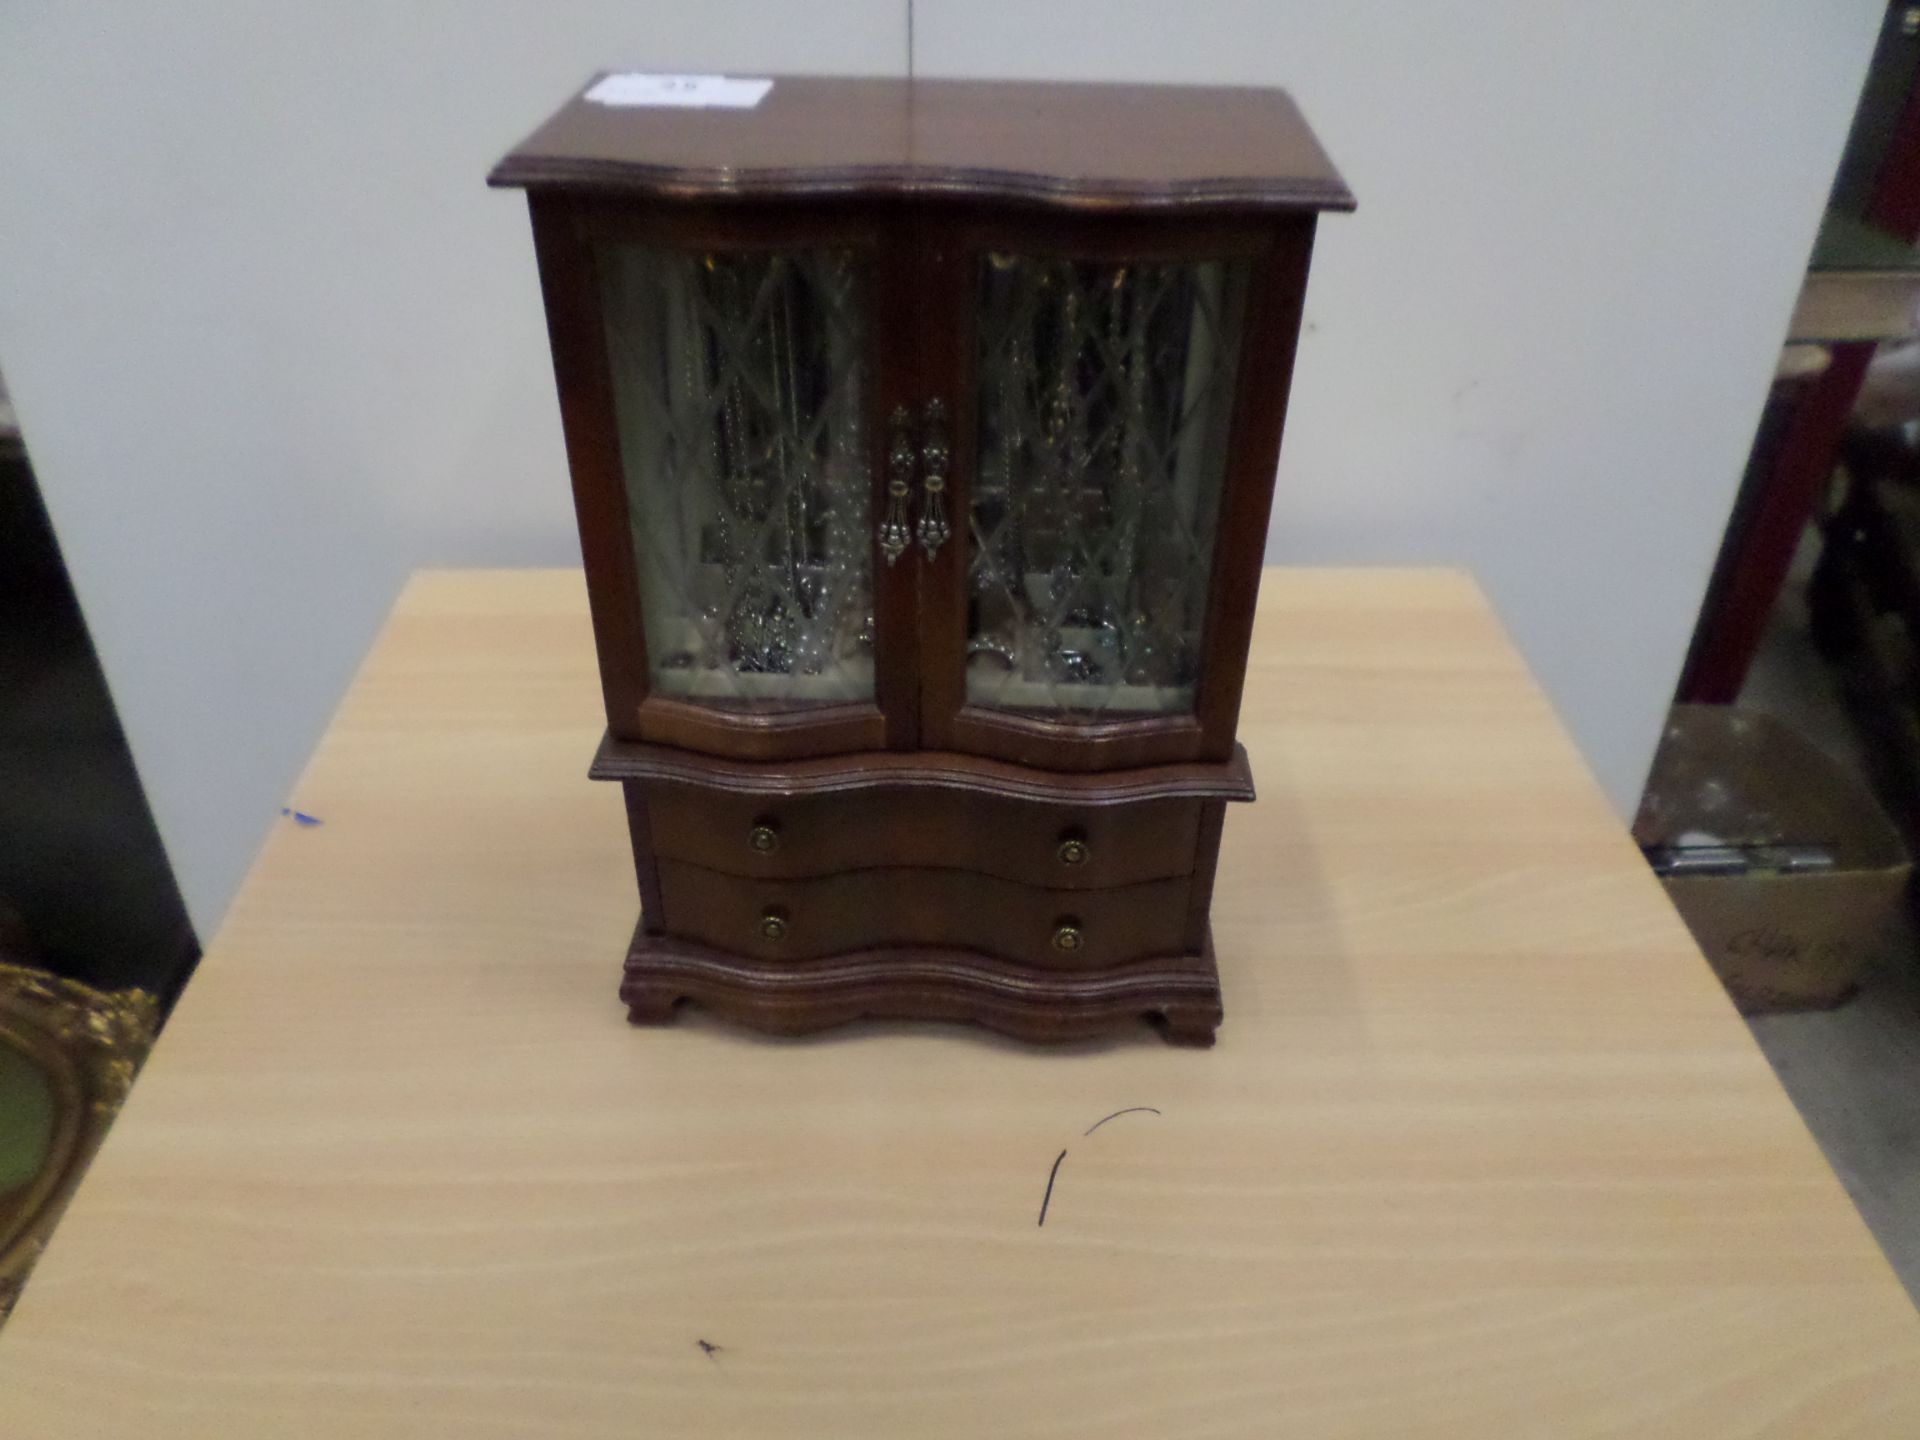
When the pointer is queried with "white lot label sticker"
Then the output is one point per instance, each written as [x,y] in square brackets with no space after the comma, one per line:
[688,92]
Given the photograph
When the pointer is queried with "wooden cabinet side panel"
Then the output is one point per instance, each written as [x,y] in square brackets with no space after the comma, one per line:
[653,915]
[1271,335]
[570,288]
[1206,861]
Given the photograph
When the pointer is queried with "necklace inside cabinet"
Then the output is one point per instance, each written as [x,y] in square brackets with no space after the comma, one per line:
[922,437]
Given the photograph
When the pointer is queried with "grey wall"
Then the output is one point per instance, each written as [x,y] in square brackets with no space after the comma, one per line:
[1540,347]
[273,344]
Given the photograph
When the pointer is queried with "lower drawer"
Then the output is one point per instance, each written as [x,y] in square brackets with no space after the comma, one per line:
[956,909]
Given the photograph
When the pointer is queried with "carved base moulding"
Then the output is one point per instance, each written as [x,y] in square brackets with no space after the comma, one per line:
[1180,993]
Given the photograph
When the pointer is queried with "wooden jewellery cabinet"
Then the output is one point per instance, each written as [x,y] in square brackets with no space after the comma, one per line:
[922,438]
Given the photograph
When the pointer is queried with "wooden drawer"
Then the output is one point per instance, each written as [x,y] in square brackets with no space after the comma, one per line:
[773,919]
[1058,846]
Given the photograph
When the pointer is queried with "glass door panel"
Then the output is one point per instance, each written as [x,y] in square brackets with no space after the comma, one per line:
[740,389]
[1104,398]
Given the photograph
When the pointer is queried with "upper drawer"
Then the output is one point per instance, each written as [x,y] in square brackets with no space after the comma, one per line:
[1059,846]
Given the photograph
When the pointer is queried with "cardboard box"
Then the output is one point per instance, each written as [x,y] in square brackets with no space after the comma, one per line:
[1779,859]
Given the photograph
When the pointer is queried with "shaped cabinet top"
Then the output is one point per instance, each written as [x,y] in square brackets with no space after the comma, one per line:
[1069,146]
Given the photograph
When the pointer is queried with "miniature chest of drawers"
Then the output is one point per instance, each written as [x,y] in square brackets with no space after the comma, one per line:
[922,437]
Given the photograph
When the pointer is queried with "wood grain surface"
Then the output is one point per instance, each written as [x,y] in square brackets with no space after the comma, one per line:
[1482,1150]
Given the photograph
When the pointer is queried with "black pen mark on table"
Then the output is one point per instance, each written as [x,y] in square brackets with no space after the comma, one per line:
[1047,1198]
[1054,1173]
[1130,1110]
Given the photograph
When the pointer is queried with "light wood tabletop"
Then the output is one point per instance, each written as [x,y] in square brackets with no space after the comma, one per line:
[1482,1151]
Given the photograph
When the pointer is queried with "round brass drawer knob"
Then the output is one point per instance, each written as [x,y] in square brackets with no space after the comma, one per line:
[773,925]
[1067,936]
[1073,851]
[764,837]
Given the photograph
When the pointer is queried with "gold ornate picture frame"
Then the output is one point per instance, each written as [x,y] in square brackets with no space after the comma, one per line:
[88,1044]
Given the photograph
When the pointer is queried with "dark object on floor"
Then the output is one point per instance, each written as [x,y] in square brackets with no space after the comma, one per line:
[1864,604]
[1786,473]
[1877,189]
[1779,859]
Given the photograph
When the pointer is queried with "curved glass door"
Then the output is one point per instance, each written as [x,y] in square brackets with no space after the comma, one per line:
[740,391]
[1104,398]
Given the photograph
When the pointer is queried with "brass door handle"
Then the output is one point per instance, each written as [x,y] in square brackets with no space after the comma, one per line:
[1067,936]
[764,837]
[935,456]
[895,535]
[1073,849]
[773,924]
